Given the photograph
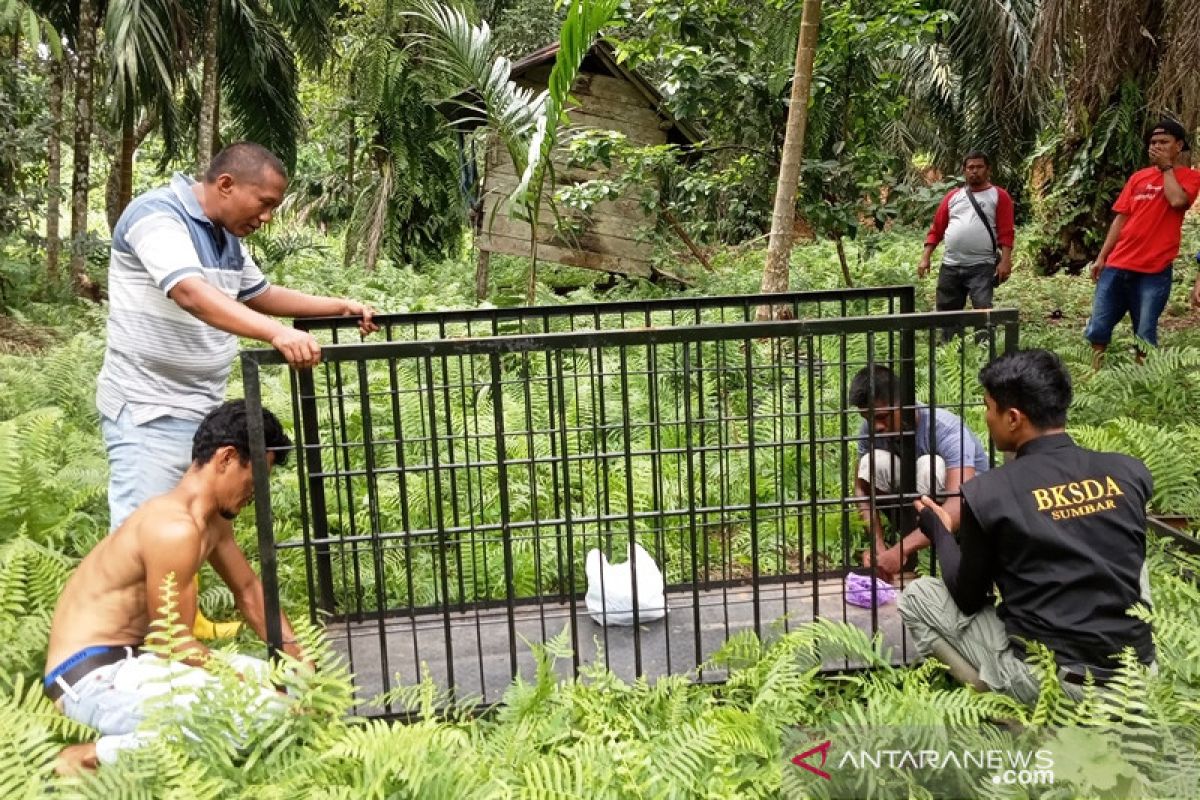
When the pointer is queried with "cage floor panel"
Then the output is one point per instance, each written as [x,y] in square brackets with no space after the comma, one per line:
[482,659]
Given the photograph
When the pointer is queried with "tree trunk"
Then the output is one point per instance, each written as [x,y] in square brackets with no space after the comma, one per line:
[841,253]
[119,190]
[351,140]
[779,250]
[85,52]
[129,145]
[8,175]
[207,126]
[113,187]
[351,155]
[54,171]
[482,262]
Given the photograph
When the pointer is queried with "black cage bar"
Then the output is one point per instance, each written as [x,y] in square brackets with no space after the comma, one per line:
[450,488]
[608,315]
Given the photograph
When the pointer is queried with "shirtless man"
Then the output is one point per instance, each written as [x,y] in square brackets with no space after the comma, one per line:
[95,673]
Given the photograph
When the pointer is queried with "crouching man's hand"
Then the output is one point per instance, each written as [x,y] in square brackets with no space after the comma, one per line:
[887,561]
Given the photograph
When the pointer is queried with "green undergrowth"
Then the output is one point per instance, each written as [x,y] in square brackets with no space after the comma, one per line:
[596,736]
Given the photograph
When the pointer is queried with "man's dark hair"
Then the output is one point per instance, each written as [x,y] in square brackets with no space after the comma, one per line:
[976,154]
[1035,382]
[226,425]
[245,161]
[886,388]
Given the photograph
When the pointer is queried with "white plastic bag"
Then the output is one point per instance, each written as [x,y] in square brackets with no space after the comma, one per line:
[610,588]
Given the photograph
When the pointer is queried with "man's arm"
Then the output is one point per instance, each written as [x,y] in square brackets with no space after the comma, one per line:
[955,477]
[967,561]
[1110,241]
[280,301]
[1173,191]
[937,232]
[231,564]
[174,551]
[1005,233]
[864,508]
[207,303]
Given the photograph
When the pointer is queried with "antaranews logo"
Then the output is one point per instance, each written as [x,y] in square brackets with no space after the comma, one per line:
[886,765]
[801,759]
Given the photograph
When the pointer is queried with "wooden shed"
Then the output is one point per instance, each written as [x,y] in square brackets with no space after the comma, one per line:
[608,96]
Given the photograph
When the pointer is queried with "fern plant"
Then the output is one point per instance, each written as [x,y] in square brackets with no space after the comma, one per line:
[53,480]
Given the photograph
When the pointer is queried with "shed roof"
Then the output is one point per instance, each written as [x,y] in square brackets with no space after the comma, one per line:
[604,53]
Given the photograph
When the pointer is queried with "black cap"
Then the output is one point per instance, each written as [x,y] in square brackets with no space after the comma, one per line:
[1172,128]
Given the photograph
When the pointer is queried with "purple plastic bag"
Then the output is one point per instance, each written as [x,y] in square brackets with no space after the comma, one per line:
[858,590]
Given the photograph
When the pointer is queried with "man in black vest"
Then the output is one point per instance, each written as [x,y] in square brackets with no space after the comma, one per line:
[1060,532]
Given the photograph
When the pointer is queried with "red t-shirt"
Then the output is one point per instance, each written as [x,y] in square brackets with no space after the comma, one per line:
[1149,240]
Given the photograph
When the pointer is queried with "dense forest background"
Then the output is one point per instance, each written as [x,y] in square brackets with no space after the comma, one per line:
[102,100]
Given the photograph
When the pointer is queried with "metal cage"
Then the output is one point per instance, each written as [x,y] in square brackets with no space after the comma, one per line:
[452,478]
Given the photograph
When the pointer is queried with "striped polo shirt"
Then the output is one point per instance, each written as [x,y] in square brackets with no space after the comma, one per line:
[160,360]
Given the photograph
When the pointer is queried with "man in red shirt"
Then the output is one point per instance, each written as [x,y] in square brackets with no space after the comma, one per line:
[1133,271]
[976,223]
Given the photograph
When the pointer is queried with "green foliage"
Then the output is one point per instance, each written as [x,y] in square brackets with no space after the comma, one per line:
[727,63]
[21,19]
[858,152]
[31,734]
[52,479]
[522,26]
[31,577]
[258,78]
[972,87]
[1088,168]
[390,164]
[726,66]
[25,125]
[527,125]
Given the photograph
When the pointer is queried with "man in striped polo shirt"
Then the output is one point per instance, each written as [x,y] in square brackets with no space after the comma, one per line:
[182,289]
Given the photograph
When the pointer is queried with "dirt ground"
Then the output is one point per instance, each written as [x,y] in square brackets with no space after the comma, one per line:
[23,339]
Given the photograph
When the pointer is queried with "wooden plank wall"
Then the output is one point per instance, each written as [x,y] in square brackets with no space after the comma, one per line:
[610,243]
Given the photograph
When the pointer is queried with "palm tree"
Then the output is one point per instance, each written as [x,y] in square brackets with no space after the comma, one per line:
[54,171]
[1121,65]
[527,124]
[972,88]
[1075,82]
[85,55]
[407,199]
[207,124]
[242,49]
[256,66]
[775,274]
[147,43]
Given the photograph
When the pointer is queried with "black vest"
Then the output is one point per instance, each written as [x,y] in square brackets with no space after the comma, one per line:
[1069,530]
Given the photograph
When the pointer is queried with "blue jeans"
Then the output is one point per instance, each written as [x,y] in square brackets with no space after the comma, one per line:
[1143,295]
[144,461]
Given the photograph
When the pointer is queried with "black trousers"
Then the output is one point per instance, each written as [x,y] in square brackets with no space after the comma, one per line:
[958,281]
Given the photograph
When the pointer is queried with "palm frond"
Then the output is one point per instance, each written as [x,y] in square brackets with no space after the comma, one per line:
[309,25]
[258,76]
